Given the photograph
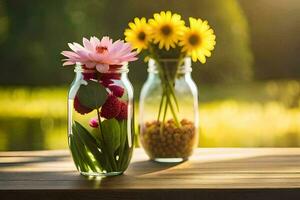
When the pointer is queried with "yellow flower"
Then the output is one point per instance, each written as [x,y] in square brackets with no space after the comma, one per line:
[198,40]
[166,29]
[138,34]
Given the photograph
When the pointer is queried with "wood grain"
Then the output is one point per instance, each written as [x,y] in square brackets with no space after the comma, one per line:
[216,173]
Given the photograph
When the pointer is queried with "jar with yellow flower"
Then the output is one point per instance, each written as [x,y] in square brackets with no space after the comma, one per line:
[168,105]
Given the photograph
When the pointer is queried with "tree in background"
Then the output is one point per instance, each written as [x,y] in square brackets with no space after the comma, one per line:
[274,28]
[36,31]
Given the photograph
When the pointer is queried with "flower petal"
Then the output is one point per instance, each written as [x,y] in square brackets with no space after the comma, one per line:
[68,63]
[87,44]
[69,54]
[102,68]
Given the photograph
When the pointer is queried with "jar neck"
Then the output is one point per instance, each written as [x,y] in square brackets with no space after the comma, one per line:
[113,69]
[181,66]
[114,73]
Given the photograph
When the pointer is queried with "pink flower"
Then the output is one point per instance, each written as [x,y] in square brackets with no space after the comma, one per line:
[94,123]
[99,55]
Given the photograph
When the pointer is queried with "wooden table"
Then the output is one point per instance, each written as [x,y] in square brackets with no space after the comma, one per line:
[216,173]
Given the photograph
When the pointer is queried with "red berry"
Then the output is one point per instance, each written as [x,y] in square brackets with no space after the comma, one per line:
[80,108]
[108,76]
[88,76]
[106,82]
[111,108]
[114,67]
[116,90]
[124,111]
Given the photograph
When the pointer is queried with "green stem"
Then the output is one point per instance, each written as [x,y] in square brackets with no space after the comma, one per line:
[164,115]
[170,86]
[168,89]
[173,112]
[99,122]
[168,83]
[160,105]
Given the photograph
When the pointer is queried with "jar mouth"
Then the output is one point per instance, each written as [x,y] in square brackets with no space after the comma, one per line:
[113,69]
[184,67]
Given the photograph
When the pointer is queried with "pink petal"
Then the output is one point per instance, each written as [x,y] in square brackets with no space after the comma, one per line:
[129,56]
[95,42]
[117,45]
[84,55]
[126,48]
[96,57]
[90,65]
[120,49]
[87,44]
[102,68]
[72,46]
[117,50]
[68,63]
[69,54]
[106,42]
[76,47]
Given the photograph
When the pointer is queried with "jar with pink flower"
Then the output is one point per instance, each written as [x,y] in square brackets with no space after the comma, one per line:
[100,107]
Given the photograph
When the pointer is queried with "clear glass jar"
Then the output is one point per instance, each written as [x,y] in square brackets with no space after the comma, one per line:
[169,133]
[101,121]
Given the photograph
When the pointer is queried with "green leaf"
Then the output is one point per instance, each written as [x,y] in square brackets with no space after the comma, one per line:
[123,135]
[82,152]
[90,143]
[85,135]
[92,95]
[74,152]
[111,134]
[95,132]
[123,139]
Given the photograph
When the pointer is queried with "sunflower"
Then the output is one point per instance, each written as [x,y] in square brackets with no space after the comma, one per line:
[138,34]
[198,40]
[166,29]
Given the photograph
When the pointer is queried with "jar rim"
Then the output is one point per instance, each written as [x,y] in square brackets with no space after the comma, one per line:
[122,69]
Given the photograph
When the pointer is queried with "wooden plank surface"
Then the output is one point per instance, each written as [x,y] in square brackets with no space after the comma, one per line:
[216,173]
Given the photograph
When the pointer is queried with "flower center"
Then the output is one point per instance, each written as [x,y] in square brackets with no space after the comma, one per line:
[194,39]
[166,30]
[141,36]
[101,49]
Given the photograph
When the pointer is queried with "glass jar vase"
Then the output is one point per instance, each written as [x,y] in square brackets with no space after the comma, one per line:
[168,111]
[101,121]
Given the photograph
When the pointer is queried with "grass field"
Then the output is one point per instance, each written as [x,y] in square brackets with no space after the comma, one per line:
[252,114]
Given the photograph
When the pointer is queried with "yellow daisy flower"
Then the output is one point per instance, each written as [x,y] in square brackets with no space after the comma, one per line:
[198,40]
[166,29]
[138,34]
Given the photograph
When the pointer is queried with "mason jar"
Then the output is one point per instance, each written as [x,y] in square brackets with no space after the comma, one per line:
[101,121]
[168,132]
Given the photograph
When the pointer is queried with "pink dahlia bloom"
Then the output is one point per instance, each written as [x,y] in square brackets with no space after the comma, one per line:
[99,55]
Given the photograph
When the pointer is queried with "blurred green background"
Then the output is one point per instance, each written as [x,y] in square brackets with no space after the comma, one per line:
[249,89]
